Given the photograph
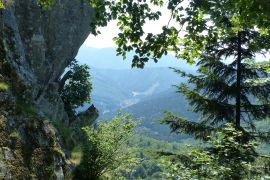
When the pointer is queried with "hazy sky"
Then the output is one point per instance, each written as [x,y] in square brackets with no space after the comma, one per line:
[107,33]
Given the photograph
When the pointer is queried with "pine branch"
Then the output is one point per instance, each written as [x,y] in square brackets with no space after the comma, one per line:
[258,88]
[257,111]
[210,109]
[216,66]
[262,136]
[181,125]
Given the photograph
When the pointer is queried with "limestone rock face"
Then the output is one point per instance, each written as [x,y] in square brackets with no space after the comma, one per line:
[44,43]
[35,47]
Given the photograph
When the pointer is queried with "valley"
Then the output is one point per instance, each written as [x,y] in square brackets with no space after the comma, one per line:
[144,93]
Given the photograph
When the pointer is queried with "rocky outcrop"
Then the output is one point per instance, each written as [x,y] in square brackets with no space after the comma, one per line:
[36,46]
[44,42]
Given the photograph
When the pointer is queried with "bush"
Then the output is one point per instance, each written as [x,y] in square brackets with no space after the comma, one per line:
[229,156]
[104,147]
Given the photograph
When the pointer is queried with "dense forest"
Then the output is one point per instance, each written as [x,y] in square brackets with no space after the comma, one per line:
[205,117]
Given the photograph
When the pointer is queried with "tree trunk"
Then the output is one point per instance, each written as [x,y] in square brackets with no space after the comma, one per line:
[238,83]
[63,80]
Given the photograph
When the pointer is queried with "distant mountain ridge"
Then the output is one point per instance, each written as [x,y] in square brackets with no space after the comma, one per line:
[105,58]
[116,89]
[150,110]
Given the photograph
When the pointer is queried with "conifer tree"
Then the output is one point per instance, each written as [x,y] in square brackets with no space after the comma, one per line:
[230,85]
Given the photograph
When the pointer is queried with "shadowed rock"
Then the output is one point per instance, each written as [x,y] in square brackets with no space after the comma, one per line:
[42,45]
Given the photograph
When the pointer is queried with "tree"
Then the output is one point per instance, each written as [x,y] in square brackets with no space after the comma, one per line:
[231,160]
[75,87]
[230,85]
[105,148]
[132,15]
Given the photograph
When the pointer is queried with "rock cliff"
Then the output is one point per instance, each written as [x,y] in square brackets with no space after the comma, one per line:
[36,46]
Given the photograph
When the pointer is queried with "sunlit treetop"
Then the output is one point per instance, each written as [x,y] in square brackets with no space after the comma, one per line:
[2,6]
[45,4]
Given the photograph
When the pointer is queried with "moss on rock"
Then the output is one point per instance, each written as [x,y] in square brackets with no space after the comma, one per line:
[28,148]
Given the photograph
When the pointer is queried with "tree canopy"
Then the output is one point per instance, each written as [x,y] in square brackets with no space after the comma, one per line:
[188,17]
[230,84]
[105,148]
[230,160]
[75,87]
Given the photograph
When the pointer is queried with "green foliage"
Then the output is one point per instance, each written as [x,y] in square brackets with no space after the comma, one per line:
[58,151]
[192,18]
[2,5]
[232,153]
[14,135]
[3,86]
[148,153]
[45,4]
[104,148]
[131,16]
[227,157]
[77,90]
[182,125]
[230,86]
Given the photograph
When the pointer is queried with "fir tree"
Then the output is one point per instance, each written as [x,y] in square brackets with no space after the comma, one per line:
[230,85]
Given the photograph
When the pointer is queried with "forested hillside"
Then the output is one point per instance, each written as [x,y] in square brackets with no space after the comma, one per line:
[116,89]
